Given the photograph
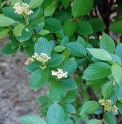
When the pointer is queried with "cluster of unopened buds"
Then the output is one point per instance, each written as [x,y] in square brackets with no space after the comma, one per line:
[44,58]
[22,9]
[108,106]
[59,73]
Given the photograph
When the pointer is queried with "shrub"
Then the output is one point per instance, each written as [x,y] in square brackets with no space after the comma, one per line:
[73,53]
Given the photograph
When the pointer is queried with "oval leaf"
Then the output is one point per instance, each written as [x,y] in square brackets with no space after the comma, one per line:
[117,72]
[116,27]
[107,90]
[81,7]
[89,107]
[69,65]
[100,54]
[55,114]
[35,3]
[97,71]
[84,28]
[76,49]
[31,119]
[42,46]
[56,92]
[7,50]
[55,60]
[5,21]
[53,25]
[107,43]
[38,79]
[69,27]
[68,83]
[109,118]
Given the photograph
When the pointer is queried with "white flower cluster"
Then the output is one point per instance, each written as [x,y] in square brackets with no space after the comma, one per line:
[22,9]
[60,74]
[42,57]
[108,106]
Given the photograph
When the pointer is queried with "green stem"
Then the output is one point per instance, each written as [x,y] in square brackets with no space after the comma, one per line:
[26,19]
[10,28]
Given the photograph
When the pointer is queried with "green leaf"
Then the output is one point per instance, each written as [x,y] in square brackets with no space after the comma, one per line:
[69,27]
[56,92]
[44,32]
[36,23]
[70,108]
[26,33]
[114,98]
[100,54]
[67,116]
[118,50]
[70,96]
[49,10]
[94,42]
[31,119]
[15,1]
[44,100]
[84,28]
[53,25]
[84,117]
[109,118]
[76,49]
[38,79]
[94,121]
[97,24]
[118,90]
[18,29]
[35,3]
[65,3]
[47,3]
[60,34]
[3,32]
[26,43]
[59,48]
[94,84]
[119,105]
[10,12]
[82,62]
[62,16]
[32,66]
[107,90]
[5,21]
[117,72]
[116,59]
[82,7]
[7,50]
[69,65]
[89,107]
[42,46]
[107,43]
[65,40]
[81,41]
[68,84]
[55,114]
[30,49]
[56,59]
[116,27]
[14,41]
[97,70]
[69,121]
[66,53]
[99,110]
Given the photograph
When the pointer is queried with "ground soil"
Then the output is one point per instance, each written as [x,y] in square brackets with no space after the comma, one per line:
[16,97]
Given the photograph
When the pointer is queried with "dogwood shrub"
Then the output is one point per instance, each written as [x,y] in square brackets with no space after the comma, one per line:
[72,52]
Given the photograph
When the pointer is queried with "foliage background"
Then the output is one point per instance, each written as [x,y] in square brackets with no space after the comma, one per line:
[89,25]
